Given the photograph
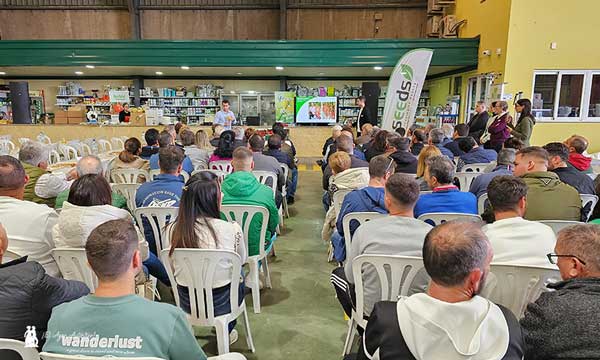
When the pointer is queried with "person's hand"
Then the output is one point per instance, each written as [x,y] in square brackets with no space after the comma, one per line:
[72,174]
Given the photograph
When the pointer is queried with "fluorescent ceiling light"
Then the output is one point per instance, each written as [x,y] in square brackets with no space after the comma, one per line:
[185,68]
[279,68]
[238,73]
[159,73]
[90,66]
[232,92]
[377,68]
[2,73]
[78,72]
[251,92]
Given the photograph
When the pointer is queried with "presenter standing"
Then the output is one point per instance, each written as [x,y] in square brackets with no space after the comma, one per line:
[225,116]
[364,115]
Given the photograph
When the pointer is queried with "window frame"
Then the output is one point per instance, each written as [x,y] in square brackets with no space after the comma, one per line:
[584,101]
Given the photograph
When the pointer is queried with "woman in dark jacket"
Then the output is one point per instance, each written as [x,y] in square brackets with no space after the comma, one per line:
[524,127]
[377,146]
[498,129]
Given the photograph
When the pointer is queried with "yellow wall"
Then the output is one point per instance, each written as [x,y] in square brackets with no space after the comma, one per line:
[438,91]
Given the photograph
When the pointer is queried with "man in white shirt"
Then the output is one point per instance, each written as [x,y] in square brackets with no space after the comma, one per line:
[514,239]
[28,225]
[225,117]
[397,234]
[43,186]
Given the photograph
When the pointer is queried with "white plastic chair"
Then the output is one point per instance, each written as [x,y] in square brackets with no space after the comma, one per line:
[475,168]
[185,175]
[19,347]
[128,176]
[6,146]
[23,140]
[69,153]
[588,199]
[10,256]
[361,217]
[515,286]
[83,149]
[152,173]
[483,199]
[269,179]
[104,146]
[396,275]
[558,225]
[196,270]
[52,356]
[117,143]
[44,139]
[286,172]
[73,265]
[465,179]
[219,173]
[435,219]
[128,191]
[222,165]
[243,215]
[53,157]
[338,199]
[229,356]
[158,218]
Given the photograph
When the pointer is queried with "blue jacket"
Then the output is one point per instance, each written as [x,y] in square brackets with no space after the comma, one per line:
[359,154]
[480,183]
[164,191]
[282,157]
[188,167]
[446,201]
[453,146]
[478,155]
[444,150]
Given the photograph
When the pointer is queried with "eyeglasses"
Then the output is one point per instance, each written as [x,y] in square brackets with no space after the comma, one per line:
[387,169]
[553,258]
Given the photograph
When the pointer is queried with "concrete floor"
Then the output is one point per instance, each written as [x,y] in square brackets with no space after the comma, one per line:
[300,317]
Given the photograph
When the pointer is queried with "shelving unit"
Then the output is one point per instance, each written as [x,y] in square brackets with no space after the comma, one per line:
[193,107]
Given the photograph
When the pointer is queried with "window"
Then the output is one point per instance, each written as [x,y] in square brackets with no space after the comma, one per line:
[566,95]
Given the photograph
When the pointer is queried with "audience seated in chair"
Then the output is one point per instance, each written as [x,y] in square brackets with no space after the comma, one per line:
[224,148]
[27,296]
[558,163]
[377,146]
[427,153]
[515,240]
[473,153]
[366,134]
[129,158]
[43,186]
[240,137]
[199,226]
[560,323]
[436,138]
[274,150]
[460,132]
[449,321]
[397,234]
[548,198]
[242,188]
[264,162]
[577,145]
[445,198]
[288,148]
[151,147]
[418,141]
[399,150]
[336,131]
[367,199]
[114,315]
[166,139]
[343,143]
[196,147]
[90,164]
[28,225]
[504,166]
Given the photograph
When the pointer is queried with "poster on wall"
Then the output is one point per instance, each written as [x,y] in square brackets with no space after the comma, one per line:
[316,109]
[404,89]
[284,106]
[119,96]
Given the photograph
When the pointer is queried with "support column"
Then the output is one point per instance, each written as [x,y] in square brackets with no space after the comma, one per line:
[282,19]
[138,83]
[134,19]
[19,100]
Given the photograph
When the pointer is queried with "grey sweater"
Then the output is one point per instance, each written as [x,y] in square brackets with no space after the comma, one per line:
[564,324]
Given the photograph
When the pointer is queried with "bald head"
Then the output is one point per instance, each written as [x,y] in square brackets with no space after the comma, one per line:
[89,164]
[242,159]
[582,241]
[453,250]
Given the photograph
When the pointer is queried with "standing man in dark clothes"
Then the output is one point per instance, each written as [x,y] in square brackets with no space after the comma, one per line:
[478,122]
[364,115]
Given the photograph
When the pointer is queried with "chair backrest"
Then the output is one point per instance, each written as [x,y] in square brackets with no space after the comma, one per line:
[286,172]
[435,219]
[592,200]
[267,178]
[69,153]
[73,265]
[128,176]
[475,168]
[83,149]
[223,165]
[6,146]
[516,286]
[104,146]
[185,176]
[481,202]
[593,176]
[44,139]
[128,191]
[396,274]
[196,270]
[465,179]
[26,353]
[53,157]
[158,218]
[228,356]
[52,356]
[117,143]
[338,199]
[360,217]
[243,215]
[219,173]
[558,225]
[152,173]
[10,256]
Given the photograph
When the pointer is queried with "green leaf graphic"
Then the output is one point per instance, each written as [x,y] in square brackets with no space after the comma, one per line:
[406,71]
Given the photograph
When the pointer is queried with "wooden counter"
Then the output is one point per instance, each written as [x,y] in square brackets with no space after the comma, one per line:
[307,139]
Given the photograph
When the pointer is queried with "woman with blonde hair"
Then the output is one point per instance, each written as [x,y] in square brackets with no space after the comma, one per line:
[428,151]
[199,155]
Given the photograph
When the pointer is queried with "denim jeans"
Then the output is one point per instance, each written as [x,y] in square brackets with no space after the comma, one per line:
[157,269]
[293,183]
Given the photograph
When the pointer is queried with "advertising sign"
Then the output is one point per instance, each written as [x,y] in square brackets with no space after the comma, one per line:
[284,106]
[316,109]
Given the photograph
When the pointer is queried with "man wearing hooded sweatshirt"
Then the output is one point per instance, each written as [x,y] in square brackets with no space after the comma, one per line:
[450,321]
[242,188]
[399,151]
[367,199]
[548,198]
[577,146]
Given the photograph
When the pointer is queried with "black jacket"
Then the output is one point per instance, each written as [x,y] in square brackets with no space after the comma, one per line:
[583,183]
[415,149]
[477,125]
[148,151]
[27,296]
[406,162]
[383,333]
[365,118]
[328,143]
[453,146]
[561,324]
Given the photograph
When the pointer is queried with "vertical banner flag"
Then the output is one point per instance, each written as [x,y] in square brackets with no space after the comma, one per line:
[404,89]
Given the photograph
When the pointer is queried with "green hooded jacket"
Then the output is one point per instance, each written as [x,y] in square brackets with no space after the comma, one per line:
[548,198]
[242,188]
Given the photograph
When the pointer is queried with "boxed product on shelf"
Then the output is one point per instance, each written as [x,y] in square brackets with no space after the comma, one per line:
[76,111]
[60,117]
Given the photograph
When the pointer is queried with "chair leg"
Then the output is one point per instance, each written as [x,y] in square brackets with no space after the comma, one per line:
[249,340]
[349,336]
[222,331]
[254,284]
[286,209]
[267,273]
